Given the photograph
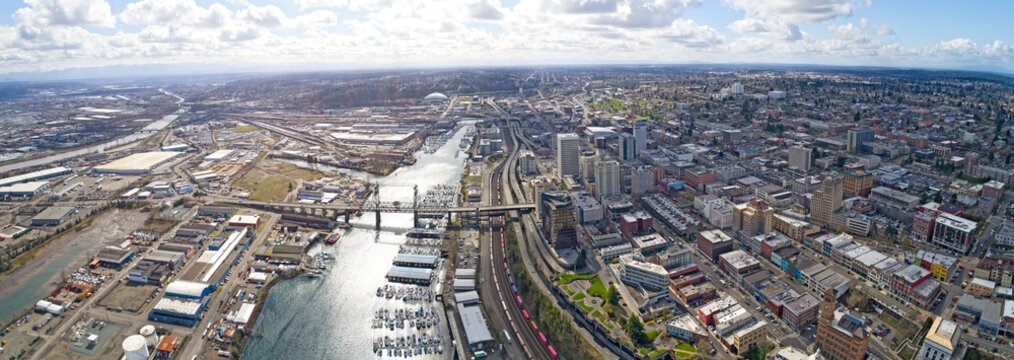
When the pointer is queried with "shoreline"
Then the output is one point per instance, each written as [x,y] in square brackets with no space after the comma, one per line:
[50,251]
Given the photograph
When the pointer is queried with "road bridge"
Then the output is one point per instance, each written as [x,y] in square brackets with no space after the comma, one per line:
[335,210]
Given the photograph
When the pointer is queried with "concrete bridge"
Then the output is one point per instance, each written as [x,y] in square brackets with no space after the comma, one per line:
[335,210]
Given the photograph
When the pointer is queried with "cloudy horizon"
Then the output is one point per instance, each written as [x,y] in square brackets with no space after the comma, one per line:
[48,35]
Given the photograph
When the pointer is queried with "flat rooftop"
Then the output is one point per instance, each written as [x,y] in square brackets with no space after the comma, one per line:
[139,162]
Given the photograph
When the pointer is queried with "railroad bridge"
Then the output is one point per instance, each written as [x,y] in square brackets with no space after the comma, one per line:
[334,210]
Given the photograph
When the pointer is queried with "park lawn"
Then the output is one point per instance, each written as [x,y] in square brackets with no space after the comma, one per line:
[567,278]
[686,347]
[584,307]
[597,288]
[683,355]
[580,296]
[651,335]
[568,290]
[657,353]
[596,314]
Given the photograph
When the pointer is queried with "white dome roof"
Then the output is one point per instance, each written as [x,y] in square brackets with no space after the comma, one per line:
[435,96]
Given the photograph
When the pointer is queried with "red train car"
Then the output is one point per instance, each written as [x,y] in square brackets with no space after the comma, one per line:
[542,338]
[552,352]
[519,301]
[525,313]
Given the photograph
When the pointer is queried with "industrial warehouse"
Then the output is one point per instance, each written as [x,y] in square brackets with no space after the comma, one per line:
[140,163]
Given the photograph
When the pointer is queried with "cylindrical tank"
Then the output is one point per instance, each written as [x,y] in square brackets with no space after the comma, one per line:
[134,348]
[150,339]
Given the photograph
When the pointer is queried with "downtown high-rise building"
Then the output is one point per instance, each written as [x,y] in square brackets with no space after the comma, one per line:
[607,178]
[800,157]
[559,220]
[628,147]
[641,137]
[826,200]
[568,155]
[858,137]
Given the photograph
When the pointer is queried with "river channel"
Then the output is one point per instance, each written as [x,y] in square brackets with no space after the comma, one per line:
[330,317]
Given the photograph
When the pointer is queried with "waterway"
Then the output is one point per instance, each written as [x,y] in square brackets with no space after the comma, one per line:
[330,318]
[146,132]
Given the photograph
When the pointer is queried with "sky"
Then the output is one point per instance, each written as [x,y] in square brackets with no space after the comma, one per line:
[46,35]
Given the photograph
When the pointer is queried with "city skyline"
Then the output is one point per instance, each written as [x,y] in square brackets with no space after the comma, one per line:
[230,35]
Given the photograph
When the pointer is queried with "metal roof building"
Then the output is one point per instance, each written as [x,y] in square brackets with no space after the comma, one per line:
[476,331]
[52,216]
[37,175]
[187,289]
[416,260]
[410,275]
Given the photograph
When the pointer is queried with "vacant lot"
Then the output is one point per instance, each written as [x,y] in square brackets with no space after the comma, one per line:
[264,186]
[128,296]
[293,171]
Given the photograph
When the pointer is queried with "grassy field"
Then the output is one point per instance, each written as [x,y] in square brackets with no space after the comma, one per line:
[579,296]
[651,335]
[597,288]
[566,278]
[265,187]
[688,347]
[295,171]
[244,128]
[158,225]
[584,307]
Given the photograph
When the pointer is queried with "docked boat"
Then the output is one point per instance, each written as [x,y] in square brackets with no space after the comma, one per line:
[333,238]
[345,226]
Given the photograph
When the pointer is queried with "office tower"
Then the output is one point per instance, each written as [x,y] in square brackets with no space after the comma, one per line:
[800,157]
[528,163]
[641,137]
[607,178]
[826,200]
[858,137]
[737,88]
[840,336]
[642,180]
[559,220]
[568,155]
[628,147]
[858,183]
[753,218]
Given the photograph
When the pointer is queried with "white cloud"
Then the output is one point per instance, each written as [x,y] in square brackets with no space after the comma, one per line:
[176,12]
[317,18]
[321,3]
[264,16]
[65,12]
[794,10]
[884,29]
[455,32]
[771,28]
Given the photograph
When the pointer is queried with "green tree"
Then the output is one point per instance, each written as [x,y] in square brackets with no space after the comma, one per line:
[890,231]
[635,329]
[613,296]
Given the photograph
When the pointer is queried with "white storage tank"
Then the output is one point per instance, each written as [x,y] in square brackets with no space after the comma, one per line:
[134,348]
[148,331]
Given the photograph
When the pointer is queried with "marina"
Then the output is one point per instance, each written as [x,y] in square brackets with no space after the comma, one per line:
[340,303]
